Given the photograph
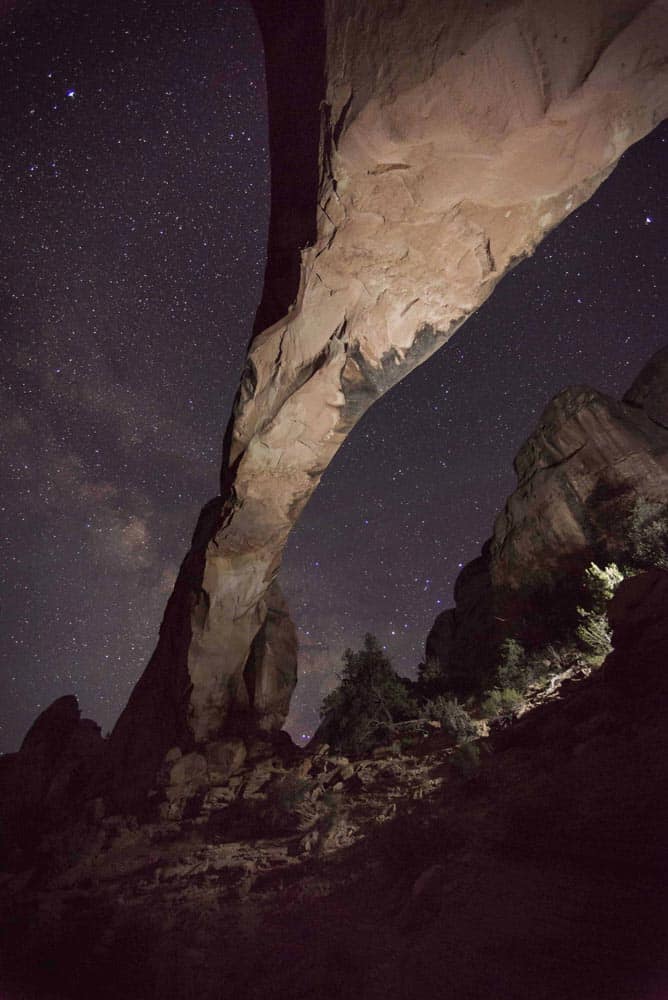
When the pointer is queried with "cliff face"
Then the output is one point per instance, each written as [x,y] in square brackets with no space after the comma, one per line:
[418,150]
[588,475]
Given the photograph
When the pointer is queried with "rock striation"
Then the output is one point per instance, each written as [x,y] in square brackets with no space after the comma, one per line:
[589,473]
[418,151]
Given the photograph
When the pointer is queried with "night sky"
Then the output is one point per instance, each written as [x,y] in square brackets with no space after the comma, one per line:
[134,214]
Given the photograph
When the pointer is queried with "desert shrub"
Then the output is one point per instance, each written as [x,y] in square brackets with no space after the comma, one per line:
[454,719]
[648,533]
[546,661]
[430,677]
[600,584]
[595,635]
[593,631]
[513,670]
[502,703]
[358,714]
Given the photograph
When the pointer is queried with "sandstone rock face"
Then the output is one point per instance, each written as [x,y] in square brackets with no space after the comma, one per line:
[587,453]
[437,143]
[581,476]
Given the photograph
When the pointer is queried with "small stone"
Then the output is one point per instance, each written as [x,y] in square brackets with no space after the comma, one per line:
[304,767]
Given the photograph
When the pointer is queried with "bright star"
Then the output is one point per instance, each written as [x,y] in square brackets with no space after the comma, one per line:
[648,219]
[71,93]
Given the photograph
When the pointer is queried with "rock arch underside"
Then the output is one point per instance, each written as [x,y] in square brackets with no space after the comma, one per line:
[419,150]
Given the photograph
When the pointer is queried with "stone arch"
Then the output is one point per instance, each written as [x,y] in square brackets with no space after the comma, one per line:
[449,142]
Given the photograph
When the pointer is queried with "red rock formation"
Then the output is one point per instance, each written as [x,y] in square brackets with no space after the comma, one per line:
[579,474]
[583,476]
[419,150]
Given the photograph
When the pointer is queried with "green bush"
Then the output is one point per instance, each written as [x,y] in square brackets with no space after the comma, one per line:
[595,635]
[546,661]
[430,677]
[593,632]
[359,713]
[453,717]
[600,584]
[513,671]
[502,703]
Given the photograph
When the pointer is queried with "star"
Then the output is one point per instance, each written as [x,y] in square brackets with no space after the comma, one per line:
[126,352]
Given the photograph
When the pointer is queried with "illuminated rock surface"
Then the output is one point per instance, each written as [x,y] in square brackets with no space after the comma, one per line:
[418,151]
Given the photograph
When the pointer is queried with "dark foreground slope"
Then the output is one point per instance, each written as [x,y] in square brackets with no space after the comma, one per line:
[538,872]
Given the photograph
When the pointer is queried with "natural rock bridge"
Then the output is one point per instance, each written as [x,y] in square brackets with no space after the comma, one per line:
[419,150]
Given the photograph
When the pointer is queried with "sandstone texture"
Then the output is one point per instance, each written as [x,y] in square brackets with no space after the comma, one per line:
[588,475]
[531,868]
[418,151]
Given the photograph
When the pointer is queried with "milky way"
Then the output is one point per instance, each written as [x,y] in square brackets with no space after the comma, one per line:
[135,205]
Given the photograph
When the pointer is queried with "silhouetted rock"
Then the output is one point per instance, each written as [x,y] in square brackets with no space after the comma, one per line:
[47,783]
[51,731]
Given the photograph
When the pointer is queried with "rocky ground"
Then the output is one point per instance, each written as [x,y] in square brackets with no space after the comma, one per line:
[531,865]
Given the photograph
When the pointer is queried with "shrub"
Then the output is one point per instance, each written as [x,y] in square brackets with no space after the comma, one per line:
[431,679]
[359,713]
[600,584]
[547,661]
[595,635]
[502,703]
[593,632]
[454,719]
[513,670]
